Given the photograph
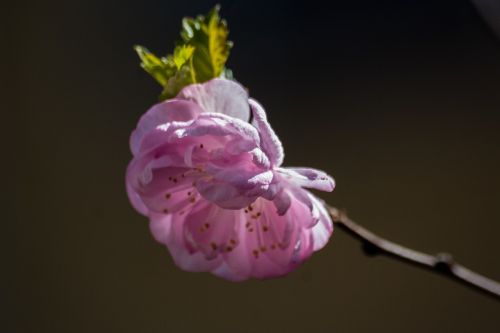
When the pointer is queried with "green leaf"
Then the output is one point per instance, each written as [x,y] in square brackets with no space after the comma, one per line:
[172,72]
[160,70]
[182,54]
[200,56]
[182,78]
[208,35]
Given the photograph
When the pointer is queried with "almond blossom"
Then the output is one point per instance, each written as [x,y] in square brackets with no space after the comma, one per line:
[206,171]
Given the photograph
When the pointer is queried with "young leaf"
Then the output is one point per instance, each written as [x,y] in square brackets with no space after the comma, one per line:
[158,69]
[199,57]
[182,54]
[182,78]
[208,35]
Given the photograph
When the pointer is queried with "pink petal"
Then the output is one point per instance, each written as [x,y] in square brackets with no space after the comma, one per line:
[164,180]
[223,194]
[306,198]
[164,189]
[270,245]
[282,201]
[242,174]
[192,262]
[233,181]
[171,202]
[160,226]
[271,144]
[322,231]
[163,140]
[287,231]
[218,128]
[171,110]
[303,248]
[169,230]
[249,259]
[219,95]
[309,178]
[237,262]
[136,200]
[221,124]
[210,229]
[226,272]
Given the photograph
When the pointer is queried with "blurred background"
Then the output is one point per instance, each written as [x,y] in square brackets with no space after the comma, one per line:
[398,100]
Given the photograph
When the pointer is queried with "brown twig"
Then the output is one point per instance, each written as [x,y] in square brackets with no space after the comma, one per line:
[441,263]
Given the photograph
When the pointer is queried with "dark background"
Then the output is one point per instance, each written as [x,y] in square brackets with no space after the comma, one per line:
[398,100]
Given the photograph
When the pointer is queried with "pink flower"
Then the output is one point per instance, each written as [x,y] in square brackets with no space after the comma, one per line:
[214,190]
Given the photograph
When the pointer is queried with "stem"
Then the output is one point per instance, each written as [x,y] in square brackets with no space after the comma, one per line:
[441,263]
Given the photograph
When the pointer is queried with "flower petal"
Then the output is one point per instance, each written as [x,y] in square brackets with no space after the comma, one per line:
[226,272]
[221,124]
[163,180]
[270,142]
[249,257]
[225,195]
[322,231]
[309,178]
[169,230]
[282,201]
[279,233]
[168,111]
[136,200]
[210,229]
[219,95]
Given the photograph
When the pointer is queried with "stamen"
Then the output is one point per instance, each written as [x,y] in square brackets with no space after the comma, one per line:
[165,210]
[256,216]
[214,246]
[255,253]
[167,196]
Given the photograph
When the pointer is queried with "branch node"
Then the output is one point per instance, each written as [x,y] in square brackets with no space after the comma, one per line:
[335,214]
[444,262]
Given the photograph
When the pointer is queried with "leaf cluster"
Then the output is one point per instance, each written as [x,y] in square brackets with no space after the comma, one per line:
[200,56]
